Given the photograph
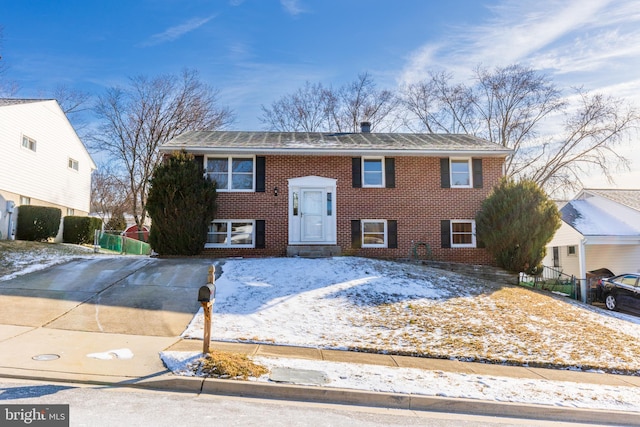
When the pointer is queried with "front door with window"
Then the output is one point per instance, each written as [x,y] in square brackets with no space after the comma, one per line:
[312,217]
[312,210]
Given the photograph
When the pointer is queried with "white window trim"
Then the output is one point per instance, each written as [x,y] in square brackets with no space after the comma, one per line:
[230,174]
[25,199]
[382,184]
[73,162]
[386,239]
[473,233]
[470,169]
[29,144]
[229,245]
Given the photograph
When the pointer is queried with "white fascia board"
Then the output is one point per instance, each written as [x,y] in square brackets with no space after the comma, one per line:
[612,240]
[335,151]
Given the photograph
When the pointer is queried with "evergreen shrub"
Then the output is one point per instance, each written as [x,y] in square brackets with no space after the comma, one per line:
[515,223]
[80,229]
[181,205]
[38,223]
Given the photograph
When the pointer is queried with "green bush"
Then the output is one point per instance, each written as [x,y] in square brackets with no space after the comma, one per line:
[515,224]
[80,229]
[38,223]
[116,222]
[181,204]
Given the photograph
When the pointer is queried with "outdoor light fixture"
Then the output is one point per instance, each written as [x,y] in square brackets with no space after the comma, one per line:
[275,191]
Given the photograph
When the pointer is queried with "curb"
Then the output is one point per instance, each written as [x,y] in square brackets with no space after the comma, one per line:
[328,395]
[337,396]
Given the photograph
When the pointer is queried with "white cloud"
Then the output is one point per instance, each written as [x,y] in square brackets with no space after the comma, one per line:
[292,6]
[516,32]
[177,31]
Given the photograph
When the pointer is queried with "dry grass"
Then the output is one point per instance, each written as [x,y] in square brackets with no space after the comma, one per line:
[507,325]
[222,364]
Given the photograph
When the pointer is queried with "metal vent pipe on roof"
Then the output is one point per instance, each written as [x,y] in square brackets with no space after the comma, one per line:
[365,127]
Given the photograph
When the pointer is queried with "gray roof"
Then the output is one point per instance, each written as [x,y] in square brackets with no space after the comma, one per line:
[629,198]
[16,101]
[590,218]
[203,142]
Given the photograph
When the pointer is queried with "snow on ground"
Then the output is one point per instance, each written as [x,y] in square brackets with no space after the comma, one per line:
[318,303]
[328,303]
[441,384]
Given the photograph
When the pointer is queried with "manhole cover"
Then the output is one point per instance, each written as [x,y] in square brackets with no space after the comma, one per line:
[45,357]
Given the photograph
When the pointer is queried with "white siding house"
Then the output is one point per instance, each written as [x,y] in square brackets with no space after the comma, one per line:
[43,162]
[600,229]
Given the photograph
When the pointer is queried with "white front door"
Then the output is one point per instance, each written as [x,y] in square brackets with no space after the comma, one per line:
[312,216]
[312,212]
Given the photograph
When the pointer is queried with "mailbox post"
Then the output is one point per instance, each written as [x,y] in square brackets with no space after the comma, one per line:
[206,297]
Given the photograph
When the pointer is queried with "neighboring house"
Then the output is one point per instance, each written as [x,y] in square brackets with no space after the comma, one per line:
[600,229]
[43,161]
[369,194]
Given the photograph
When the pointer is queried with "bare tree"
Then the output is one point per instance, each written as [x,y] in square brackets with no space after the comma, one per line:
[109,193]
[136,120]
[437,105]
[511,102]
[361,101]
[72,100]
[304,110]
[315,108]
[8,88]
[509,105]
[591,135]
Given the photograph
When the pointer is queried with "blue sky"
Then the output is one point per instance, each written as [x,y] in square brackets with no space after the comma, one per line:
[255,51]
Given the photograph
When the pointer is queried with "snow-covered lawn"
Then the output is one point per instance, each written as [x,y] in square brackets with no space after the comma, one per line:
[380,306]
[19,257]
[384,306]
[388,307]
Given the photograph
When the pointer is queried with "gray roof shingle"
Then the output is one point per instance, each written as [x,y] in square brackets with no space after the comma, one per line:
[16,101]
[629,198]
[326,142]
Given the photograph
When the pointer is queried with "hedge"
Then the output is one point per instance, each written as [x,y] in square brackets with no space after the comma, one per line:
[80,229]
[38,223]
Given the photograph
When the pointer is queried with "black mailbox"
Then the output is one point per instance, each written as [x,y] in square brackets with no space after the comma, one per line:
[207,293]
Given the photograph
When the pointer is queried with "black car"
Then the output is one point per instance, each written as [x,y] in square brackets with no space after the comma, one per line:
[622,292]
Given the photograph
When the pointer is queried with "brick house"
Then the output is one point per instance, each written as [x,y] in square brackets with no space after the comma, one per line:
[366,194]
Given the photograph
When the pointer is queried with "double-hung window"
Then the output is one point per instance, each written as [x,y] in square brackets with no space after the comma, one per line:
[231,233]
[28,143]
[232,173]
[372,172]
[463,234]
[460,173]
[374,233]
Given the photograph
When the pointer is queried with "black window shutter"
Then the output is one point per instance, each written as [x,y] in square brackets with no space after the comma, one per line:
[390,172]
[445,233]
[260,173]
[392,233]
[445,180]
[356,238]
[199,160]
[260,234]
[476,165]
[356,172]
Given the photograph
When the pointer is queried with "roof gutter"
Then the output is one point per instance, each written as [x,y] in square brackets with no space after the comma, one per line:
[334,151]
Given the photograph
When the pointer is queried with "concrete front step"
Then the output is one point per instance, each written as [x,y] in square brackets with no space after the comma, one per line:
[313,251]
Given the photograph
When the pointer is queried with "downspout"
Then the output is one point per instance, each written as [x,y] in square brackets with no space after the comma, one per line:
[583,270]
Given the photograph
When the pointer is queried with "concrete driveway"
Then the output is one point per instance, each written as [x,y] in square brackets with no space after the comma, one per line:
[124,295]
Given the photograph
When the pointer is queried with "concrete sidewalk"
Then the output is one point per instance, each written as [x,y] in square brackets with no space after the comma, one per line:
[58,355]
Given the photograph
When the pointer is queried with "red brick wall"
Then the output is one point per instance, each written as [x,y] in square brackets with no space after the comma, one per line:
[417,202]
